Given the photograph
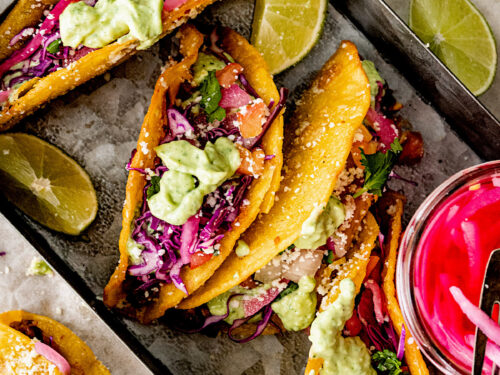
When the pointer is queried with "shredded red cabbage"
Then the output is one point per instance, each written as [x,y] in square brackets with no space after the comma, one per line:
[212,319]
[2,253]
[33,58]
[167,248]
[247,86]
[261,325]
[178,125]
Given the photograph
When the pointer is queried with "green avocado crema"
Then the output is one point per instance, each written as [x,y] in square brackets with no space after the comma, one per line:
[342,355]
[205,63]
[321,224]
[242,249]
[218,305]
[110,20]
[192,174]
[373,76]
[297,309]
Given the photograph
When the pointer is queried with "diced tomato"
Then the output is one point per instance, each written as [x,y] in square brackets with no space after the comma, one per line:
[199,258]
[229,74]
[353,326]
[252,162]
[251,118]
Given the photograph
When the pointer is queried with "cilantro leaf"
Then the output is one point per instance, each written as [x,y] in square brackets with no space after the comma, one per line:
[219,114]
[330,257]
[387,363]
[289,289]
[54,46]
[378,166]
[211,96]
[155,186]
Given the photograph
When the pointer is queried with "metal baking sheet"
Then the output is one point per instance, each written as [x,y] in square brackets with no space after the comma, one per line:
[98,124]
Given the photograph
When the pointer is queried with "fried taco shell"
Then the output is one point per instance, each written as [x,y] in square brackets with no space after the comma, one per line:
[34,93]
[62,339]
[391,208]
[259,194]
[323,130]
[393,203]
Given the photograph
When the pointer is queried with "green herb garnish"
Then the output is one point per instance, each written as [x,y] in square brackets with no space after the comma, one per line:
[290,288]
[387,362]
[155,186]
[210,98]
[378,166]
[330,257]
[54,46]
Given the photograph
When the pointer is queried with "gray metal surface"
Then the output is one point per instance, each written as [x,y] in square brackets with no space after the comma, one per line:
[98,125]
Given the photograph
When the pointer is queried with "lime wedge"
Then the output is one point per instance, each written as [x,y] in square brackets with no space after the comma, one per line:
[284,31]
[460,37]
[46,184]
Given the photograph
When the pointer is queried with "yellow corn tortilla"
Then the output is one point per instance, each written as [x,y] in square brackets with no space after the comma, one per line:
[38,91]
[354,269]
[69,345]
[413,357]
[26,13]
[152,132]
[324,125]
[393,203]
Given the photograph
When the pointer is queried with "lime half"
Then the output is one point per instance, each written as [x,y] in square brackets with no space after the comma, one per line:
[284,31]
[46,184]
[460,37]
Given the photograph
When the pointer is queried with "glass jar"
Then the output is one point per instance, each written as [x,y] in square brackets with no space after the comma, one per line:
[428,263]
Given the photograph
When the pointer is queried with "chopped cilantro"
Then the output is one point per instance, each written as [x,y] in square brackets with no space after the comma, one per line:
[219,114]
[54,46]
[290,288]
[155,186]
[378,166]
[387,363]
[210,98]
[330,257]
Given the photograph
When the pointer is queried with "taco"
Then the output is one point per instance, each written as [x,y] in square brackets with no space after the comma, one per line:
[35,344]
[295,265]
[48,47]
[207,162]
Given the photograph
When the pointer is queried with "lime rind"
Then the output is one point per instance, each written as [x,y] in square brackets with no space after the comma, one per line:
[471,57]
[280,46]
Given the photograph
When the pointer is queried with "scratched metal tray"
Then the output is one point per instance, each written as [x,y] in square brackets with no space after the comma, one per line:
[98,125]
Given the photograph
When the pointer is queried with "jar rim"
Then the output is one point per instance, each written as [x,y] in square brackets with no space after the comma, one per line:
[406,261]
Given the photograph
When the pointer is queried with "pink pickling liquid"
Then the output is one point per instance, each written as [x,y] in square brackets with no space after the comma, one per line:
[454,251]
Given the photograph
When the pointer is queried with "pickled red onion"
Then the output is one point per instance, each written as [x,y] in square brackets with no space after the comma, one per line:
[52,356]
[477,316]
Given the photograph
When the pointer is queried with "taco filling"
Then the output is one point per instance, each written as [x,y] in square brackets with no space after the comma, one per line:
[71,29]
[337,242]
[36,344]
[208,159]
[43,344]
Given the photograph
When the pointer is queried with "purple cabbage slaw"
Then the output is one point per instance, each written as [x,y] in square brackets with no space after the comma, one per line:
[33,58]
[167,248]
